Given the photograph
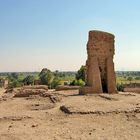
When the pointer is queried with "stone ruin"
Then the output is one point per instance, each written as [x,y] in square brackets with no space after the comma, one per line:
[100,74]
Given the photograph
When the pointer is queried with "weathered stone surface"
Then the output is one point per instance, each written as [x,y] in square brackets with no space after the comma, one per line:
[102,104]
[59,88]
[45,87]
[26,91]
[100,75]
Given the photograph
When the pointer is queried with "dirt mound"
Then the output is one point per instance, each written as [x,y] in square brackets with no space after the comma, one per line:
[27,92]
[36,87]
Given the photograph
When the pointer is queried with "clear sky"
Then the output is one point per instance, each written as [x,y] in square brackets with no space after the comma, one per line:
[53,33]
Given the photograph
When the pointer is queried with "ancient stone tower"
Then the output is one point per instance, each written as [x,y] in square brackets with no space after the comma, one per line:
[100,75]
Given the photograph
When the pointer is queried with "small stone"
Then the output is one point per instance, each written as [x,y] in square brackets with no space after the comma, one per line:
[34,125]
[51,119]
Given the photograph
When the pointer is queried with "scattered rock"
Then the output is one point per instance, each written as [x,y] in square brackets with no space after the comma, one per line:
[10,126]
[65,109]
[71,110]
[55,98]
[9,90]
[34,125]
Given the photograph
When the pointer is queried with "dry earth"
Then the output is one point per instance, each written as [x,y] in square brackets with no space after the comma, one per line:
[91,117]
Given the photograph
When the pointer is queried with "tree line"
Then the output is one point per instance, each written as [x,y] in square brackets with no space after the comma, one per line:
[56,78]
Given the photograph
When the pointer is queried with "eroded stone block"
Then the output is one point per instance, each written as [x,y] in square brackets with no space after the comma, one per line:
[100,75]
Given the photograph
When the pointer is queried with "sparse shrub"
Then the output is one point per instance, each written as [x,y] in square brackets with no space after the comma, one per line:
[137,78]
[81,73]
[14,84]
[120,87]
[79,82]
[29,80]
[55,83]
[130,78]
[14,80]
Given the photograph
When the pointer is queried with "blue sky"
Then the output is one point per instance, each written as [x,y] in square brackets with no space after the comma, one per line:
[53,33]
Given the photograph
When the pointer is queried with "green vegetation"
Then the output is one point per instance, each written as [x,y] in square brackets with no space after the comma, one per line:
[79,77]
[81,73]
[46,77]
[54,79]
[14,80]
[55,83]
[120,87]
[29,80]
[128,77]
[76,82]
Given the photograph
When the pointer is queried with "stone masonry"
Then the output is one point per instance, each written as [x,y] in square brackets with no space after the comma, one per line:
[100,75]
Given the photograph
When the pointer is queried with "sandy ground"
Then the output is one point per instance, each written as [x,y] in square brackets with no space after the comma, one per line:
[92,117]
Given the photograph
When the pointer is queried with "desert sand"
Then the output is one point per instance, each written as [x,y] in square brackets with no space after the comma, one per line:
[72,116]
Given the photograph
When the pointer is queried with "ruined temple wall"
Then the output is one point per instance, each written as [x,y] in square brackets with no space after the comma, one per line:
[100,71]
